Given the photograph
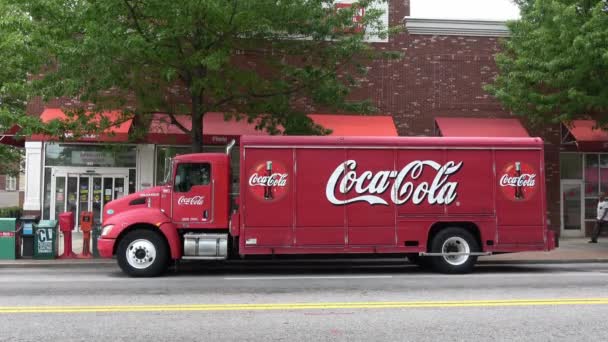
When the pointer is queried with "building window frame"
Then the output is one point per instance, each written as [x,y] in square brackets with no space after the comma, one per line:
[11,183]
[590,216]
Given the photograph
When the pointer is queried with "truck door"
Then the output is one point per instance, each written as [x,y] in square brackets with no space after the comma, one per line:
[192,199]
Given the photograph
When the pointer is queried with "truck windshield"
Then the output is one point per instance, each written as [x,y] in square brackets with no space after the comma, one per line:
[168,171]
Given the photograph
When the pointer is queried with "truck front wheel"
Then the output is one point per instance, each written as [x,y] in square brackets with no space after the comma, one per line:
[142,253]
[454,240]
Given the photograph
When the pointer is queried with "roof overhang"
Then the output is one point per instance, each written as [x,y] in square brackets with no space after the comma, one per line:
[454,27]
[218,131]
[480,127]
[585,135]
[116,133]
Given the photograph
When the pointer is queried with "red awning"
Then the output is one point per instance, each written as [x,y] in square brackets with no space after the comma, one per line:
[479,127]
[217,131]
[119,133]
[9,137]
[586,135]
[356,125]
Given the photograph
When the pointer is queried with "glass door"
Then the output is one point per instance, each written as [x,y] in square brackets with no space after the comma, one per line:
[572,208]
[97,199]
[78,192]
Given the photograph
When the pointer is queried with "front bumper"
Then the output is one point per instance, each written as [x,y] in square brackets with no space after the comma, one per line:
[105,247]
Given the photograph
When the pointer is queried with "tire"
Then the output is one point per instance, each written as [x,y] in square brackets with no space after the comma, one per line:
[454,239]
[142,253]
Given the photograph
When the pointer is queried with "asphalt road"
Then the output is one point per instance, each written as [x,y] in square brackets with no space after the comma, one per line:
[303,302]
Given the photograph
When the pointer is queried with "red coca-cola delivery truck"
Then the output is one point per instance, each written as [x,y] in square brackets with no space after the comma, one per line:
[441,202]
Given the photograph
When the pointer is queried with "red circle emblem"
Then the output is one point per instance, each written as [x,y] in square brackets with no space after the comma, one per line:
[268,180]
[518,181]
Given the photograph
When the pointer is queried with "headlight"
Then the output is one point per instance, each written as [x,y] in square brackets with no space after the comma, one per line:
[106,229]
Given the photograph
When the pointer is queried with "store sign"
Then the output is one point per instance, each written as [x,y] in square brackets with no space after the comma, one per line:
[88,155]
[91,158]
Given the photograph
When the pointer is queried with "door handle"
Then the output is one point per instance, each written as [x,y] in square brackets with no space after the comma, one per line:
[205,215]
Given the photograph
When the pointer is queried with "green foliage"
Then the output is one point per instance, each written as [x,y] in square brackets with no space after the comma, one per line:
[192,57]
[11,212]
[555,65]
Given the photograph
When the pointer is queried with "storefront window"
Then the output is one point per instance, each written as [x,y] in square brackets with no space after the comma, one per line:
[132,180]
[604,173]
[570,165]
[163,159]
[596,181]
[592,175]
[590,208]
[46,208]
[89,155]
[165,153]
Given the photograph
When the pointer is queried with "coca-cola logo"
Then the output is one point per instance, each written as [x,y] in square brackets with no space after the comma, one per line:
[194,200]
[275,179]
[268,180]
[367,185]
[518,181]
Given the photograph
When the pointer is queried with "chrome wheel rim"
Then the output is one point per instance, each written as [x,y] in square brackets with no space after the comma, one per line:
[456,244]
[141,254]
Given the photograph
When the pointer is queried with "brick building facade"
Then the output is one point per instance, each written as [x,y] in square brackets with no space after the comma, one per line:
[446,63]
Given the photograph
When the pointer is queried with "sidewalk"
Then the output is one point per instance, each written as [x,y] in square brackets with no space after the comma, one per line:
[571,250]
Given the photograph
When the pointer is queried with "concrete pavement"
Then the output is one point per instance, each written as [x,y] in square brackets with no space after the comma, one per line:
[496,303]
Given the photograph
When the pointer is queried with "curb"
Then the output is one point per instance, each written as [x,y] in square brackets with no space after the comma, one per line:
[111,262]
[55,264]
[536,262]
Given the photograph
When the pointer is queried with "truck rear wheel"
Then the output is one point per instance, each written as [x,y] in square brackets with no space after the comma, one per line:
[454,240]
[142,253]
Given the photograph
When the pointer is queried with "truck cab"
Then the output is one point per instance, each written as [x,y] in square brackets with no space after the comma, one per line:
[186,217]
[196,195]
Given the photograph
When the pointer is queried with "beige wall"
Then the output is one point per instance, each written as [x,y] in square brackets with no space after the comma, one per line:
[9,199]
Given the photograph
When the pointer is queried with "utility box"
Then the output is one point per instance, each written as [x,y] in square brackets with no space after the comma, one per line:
[45,240]
[8,235]
[27,235]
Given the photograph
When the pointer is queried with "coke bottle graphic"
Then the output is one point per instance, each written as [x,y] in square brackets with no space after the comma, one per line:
[267,188]
[519,193]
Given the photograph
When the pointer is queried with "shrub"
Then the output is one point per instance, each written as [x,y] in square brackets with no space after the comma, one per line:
[11,212]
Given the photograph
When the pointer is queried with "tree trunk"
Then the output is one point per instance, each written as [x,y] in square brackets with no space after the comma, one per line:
[197,125]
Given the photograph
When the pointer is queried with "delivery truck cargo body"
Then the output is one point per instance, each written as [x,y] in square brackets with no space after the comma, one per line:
[440,201]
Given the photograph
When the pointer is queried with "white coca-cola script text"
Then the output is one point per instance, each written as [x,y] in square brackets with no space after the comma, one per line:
[368,184]
[275,179]
[194,200]
[526,180]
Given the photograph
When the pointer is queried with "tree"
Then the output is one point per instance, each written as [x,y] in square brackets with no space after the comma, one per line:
[23,49]
[15,56]
[240,57]
[555,64]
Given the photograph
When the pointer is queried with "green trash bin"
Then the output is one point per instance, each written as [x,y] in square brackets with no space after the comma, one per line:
[45,240]
[8,234]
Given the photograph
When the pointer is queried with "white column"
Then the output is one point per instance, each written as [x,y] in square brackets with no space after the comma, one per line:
[145,166]
[33,175]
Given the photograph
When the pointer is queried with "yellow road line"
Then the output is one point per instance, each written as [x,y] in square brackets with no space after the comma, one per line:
[302,306]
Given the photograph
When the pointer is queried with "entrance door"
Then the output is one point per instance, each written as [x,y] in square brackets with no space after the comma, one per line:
[77,192]
[573,221]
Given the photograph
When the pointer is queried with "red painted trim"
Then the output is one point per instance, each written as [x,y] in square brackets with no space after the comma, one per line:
[170,232]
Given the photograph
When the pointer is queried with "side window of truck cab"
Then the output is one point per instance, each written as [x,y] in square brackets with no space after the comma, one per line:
[191,174]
